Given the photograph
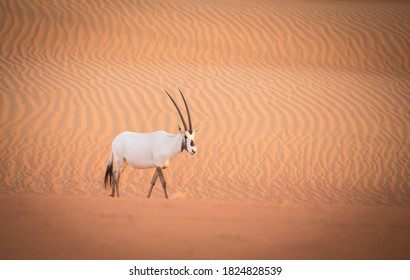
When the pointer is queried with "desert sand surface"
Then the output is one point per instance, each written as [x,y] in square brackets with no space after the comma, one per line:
[98,228]
[304,116]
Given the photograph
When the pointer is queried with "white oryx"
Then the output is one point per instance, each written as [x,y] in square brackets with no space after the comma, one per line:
[148,150]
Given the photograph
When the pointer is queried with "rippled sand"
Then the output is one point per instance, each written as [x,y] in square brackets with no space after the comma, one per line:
[297,101]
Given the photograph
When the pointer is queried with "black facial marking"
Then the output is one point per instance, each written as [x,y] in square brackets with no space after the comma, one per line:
[192,143]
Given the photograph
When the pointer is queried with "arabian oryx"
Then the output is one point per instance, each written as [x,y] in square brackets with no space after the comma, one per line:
[149,150]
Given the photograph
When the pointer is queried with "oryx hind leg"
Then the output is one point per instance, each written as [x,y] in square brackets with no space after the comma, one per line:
[153,180]
[163,182]
[115,186]
[113,189]
[117,182]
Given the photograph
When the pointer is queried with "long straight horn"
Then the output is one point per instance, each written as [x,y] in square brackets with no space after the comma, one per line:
[179,111]
[187,111]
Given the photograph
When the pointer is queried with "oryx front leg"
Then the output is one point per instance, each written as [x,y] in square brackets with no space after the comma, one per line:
[164,184]
[153,180]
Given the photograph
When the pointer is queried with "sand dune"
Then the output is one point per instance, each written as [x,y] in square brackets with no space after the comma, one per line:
[299,102]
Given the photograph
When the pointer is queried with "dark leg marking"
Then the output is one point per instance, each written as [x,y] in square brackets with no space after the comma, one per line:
[164,184]
[117,186]
[153,180]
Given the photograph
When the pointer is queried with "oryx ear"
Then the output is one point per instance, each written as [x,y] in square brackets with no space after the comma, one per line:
[179,129]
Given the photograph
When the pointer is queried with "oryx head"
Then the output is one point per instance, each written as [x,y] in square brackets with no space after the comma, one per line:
[188,133]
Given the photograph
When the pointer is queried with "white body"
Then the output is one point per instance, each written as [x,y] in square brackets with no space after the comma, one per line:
[146,150]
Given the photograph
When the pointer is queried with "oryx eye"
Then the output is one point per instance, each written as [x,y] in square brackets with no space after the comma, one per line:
[192,143]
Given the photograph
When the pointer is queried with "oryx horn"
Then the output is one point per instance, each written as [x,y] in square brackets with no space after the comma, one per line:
[187,110]
[179,111]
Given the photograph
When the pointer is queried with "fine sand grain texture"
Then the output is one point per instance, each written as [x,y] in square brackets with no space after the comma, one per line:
[58,227]
[298,103]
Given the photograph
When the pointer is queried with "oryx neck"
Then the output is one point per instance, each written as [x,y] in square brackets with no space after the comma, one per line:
[183,144]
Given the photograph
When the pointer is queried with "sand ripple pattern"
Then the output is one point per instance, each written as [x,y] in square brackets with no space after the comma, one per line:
[296,102]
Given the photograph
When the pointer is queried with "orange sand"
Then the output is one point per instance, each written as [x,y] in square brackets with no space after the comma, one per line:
[298,103]
[58,227]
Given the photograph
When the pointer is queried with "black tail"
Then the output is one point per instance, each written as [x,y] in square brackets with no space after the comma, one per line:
[108,173]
